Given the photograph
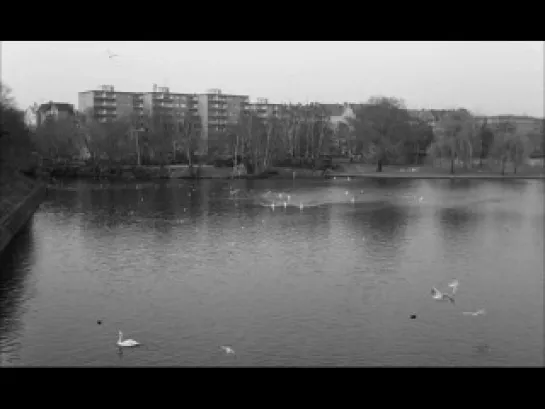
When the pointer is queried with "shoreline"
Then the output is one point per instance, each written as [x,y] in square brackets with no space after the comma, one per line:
[20,198]
[380,175]
[149,173]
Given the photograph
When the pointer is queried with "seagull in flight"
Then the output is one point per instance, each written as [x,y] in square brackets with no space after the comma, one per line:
[478,312]
[111,55]
[228,350]
[439,296]
[454,285]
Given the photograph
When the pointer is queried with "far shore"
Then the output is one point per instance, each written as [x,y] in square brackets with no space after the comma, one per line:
[384,175]
[347,170]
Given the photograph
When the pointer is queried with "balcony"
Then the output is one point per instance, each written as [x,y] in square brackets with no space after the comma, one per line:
[217,115]
[104,103]
[105,113]
[105,96]
[163,97]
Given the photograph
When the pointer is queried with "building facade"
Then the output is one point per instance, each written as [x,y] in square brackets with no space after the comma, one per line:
[168,107]
[106,104]
[217,111]
[264,110]
[54,111]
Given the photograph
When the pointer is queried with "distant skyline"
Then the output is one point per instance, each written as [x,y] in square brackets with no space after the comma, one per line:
[488,78]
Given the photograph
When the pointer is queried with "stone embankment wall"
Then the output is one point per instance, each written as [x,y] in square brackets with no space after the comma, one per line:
[19,199]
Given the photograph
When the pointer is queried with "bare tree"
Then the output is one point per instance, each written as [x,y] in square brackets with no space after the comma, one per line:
[510,145]
[454,137]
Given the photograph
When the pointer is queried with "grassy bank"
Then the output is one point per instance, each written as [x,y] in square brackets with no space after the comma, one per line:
[355,170]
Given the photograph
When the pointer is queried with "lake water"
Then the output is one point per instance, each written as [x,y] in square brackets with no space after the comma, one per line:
[328,280]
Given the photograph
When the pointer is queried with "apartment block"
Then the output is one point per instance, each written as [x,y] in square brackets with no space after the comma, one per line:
[523,124]
[54,111]
[107,104]
[217,111]
[169,108]
[263,109]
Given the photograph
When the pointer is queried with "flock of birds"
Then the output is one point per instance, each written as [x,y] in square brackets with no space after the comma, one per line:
[435,293]
[285,200]
[444,296]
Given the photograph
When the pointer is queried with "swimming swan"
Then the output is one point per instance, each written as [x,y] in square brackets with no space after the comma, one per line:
[127,342]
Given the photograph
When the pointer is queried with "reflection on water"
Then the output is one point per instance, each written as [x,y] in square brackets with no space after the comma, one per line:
[15,288]
[185,267]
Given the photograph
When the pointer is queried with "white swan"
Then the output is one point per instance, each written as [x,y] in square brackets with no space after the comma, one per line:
[127,342]
[478,312]
[227,350]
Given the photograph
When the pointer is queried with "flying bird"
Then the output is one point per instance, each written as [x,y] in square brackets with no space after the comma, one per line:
[228,350]
[439,296]
[111,55]
[454,285]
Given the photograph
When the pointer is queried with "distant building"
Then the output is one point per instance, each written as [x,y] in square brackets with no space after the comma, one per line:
[340,113]
[53,111]
[264,110]
[31,116]
[217,111]
[170,108]
[106,104]
[524,124]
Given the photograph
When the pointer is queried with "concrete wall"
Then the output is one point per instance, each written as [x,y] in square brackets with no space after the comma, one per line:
[19,214]
[85,101]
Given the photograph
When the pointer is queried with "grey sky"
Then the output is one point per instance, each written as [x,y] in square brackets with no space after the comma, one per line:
[485,77]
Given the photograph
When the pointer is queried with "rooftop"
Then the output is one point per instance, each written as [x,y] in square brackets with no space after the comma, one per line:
[61,106]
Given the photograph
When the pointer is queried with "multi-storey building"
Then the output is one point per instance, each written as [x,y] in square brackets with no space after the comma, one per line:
[168,107]
[265,110]
[55,111]
[217,111]
[523,124]
[107,104]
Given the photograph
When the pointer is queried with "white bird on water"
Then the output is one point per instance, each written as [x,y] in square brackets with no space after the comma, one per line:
[228,350]
[478,312]
[127,342]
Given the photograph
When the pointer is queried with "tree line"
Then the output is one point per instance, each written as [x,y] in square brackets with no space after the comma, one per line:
[382,131]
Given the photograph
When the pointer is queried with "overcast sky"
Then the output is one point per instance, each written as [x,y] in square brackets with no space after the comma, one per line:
[485,77]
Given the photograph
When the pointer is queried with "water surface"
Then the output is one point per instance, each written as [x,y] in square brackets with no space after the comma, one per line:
[328,279]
